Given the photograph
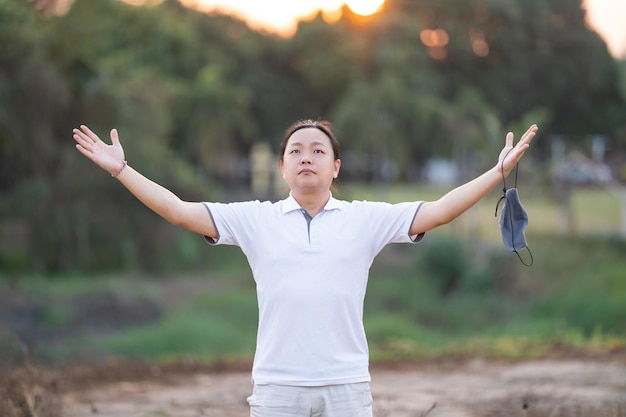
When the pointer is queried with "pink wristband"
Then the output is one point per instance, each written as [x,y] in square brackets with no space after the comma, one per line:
[121,169]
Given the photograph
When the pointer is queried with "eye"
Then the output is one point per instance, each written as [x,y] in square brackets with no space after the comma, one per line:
[295,151]
[318,151]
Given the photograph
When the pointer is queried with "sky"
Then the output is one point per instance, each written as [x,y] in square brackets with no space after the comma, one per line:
[607,17]
[281,16]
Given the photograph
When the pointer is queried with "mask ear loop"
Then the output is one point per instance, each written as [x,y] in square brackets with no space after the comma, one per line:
[504,182]
[502,199]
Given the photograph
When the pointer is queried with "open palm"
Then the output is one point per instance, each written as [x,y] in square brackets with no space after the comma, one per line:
[107,157]
[510,155]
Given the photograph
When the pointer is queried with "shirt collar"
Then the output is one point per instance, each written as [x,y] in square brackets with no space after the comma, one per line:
[290,204]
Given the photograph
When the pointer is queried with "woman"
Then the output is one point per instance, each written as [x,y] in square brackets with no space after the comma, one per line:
[310,256]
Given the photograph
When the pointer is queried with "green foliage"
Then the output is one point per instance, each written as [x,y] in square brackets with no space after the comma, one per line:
[588,288]
[571,300]
[453,265]
[190,93]
[444,261]
[209,326]
[424,311]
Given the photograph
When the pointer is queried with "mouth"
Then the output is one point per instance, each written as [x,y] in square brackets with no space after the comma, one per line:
[306,171]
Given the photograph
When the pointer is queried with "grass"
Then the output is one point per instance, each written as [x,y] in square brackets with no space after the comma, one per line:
[209,326]
[573,298]
[75,285]
[594,211]
[570,301]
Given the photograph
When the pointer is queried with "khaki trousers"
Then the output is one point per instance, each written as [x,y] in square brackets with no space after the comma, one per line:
[346,400]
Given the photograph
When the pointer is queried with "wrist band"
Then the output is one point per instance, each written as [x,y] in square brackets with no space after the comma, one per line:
[121,169]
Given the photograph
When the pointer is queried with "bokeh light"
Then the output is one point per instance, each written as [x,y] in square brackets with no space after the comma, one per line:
[435,41]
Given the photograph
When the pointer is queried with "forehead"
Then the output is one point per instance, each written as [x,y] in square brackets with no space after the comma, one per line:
[309,136]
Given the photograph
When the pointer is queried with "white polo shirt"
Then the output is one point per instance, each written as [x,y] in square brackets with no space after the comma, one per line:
[311,276]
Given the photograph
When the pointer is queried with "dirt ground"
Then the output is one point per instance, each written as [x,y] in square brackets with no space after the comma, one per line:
[567,384]
[554,387]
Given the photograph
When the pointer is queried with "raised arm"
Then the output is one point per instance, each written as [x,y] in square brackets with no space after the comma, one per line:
[189,215]
[442,211]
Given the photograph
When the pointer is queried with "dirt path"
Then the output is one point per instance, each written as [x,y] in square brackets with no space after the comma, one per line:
[538,388]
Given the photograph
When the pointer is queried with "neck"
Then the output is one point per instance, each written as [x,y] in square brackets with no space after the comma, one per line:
[313,203]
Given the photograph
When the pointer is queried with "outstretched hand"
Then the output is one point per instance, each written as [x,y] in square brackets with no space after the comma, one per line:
[108,157]
[510,155]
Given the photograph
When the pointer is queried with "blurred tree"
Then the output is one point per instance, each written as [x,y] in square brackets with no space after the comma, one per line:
[190,93]
[526,54]
[33,98]
[326,59]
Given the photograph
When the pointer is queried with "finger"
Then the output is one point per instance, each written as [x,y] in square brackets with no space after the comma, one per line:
[529,135]
[85,152]
[83,139]
[115,139]
[92,136]
[81,134]
[509,140]
[86,143]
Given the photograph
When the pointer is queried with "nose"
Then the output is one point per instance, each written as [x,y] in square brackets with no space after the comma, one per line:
[305,158]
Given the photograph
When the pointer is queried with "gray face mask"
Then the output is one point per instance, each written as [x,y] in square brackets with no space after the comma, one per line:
[513,220]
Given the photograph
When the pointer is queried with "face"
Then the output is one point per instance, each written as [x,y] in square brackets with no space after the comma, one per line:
[309,161]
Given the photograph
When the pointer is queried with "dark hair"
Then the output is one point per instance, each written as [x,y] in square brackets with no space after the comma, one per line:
[323,125]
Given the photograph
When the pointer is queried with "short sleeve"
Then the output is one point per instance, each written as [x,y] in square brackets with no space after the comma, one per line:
[235,222]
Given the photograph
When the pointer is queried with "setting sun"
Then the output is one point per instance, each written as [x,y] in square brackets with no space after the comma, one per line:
[365,7]
[281,16]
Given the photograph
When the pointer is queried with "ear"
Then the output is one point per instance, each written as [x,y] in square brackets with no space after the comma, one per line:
[282,171]
[337,167]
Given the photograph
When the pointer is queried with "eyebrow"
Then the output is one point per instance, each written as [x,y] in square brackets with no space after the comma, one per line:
[297,144]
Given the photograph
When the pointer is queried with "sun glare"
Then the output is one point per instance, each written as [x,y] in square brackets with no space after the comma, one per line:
[281,16]
[365,7]
[607,18]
